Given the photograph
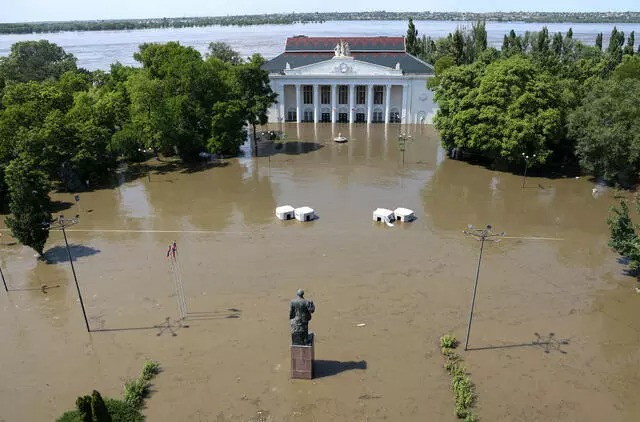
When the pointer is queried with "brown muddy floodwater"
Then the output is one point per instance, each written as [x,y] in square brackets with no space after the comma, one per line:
[408,284]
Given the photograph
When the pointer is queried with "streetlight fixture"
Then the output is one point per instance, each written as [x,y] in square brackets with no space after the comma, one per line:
[481,235]
[402,140]
[62,223]
[526,166]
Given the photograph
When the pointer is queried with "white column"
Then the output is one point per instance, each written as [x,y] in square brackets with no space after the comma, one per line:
[334,103]
[352,95]
[281,106]
[369,102]
[405,111]
[387,102]
[316,104]
[298,100]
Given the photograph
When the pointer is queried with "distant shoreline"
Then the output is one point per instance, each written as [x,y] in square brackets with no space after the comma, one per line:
[293,18]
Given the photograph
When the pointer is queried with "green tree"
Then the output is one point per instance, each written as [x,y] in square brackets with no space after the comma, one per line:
[501,111]
[98,408]
[224,52]
[30,205]
[412,41]
[227,127]
[606,127]
[629,68]
[83,404]
[458,47]
[629,48]
[479,38]
[599,41]
[623,236]
[252,84]
[35,61]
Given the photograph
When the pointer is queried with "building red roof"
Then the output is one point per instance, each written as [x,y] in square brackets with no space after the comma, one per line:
[302,43]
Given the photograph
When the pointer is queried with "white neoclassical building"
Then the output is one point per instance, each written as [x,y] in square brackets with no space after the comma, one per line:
[350,80]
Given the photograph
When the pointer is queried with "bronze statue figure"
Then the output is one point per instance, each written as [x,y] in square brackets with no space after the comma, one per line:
[300,314]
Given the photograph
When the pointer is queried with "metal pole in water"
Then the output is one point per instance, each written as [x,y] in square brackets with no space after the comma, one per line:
[482,235]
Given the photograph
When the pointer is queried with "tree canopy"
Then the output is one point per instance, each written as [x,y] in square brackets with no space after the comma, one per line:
[74,126]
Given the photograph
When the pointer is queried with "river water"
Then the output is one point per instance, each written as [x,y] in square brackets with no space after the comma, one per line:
[98,50]
[554,337]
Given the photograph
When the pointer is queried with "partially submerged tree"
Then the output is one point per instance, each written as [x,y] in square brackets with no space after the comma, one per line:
[30,205]
[624,238]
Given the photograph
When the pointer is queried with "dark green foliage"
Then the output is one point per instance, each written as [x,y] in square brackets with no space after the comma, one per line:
[75,125]
[83,405]
[411,41]
[98,408]
[30,205]
[119,411]
[606,127]
[623,236]
[94,409]
[501,111]
[599,41]
[222,51]
[631,40]
[35,61]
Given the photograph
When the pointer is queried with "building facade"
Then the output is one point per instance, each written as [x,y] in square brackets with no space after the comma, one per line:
[350,80]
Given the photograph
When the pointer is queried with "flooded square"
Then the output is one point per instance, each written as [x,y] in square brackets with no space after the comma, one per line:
[556,327]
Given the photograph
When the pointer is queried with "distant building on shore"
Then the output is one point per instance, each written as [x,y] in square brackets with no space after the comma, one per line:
[350,80]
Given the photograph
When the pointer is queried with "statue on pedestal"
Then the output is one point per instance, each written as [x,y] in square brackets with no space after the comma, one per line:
[300,312]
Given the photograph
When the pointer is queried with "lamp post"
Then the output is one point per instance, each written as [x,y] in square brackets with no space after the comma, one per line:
[402,140]
[62,223]
[144,151]
[481,235]
[526,166]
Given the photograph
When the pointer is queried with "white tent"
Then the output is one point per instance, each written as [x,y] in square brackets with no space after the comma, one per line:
[305,214]
[404,214]
[384,215]
[285,212]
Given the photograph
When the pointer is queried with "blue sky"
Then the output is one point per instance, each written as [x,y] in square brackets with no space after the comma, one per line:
[39,10]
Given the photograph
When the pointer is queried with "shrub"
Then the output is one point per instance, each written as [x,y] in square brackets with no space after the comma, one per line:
[98,408]
[83,404]
[150,369]
[448,341]
[123,412]
[119,411]
[135,392]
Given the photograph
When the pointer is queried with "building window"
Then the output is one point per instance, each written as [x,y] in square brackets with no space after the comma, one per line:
[343,94]
[343,117]
[291,115]
[378,94]
[377,116]
[361,94]
[307,116]
[394,116]
[325,94]
[307,94]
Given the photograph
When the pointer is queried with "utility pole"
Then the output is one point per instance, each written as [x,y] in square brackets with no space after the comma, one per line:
[481,235]
[526,166]
[61,224]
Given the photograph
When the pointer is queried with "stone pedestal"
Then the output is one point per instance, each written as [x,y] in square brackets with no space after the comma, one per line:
[302,360]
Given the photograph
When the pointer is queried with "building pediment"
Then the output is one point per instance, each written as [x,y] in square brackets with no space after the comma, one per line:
[340,65]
